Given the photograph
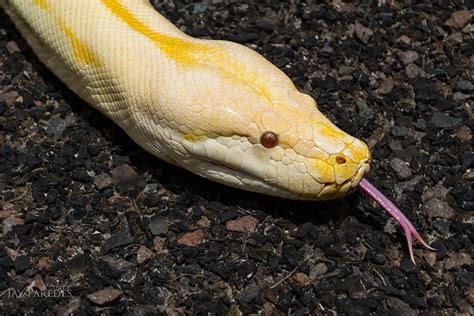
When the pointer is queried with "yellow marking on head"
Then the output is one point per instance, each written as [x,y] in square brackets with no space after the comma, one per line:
[320,170]
[345,172]
[330,131]
[41,3]
[82,53]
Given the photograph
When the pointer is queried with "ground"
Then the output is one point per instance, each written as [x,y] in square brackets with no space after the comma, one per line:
[95,224]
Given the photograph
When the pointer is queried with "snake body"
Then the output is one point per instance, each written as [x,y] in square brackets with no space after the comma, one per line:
[202,105]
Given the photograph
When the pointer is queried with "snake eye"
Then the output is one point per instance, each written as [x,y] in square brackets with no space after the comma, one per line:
[269,139]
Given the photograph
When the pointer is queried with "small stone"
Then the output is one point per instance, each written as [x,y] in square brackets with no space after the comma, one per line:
[38,283]
[464,134]
[459,96]
[77,264]
[22,263]
[420,124]
[363,33]
[395,145]
[192,239]
[345,70]
[399,307]
[470,296]
[401,169]
[248,294]
[455,38]
[71,308]
[465,86]
[158,244]
[247,269]
[244,224]
[104,296]
[151,199]
[103,181]
[149,188]
[203,222]
[407,57]
[9,222]
[199,7]
[12,254]
[57,125]
[386,86]
[468,175]
[228,215]
[114,199]
[8,209]
[268,309]
[430,257]
[32,161]
[379,258]
[144,310]
[301,279]
[458,19]
[438,31]
[318,270]
[9,97]
[404,39]
[42,263]
[438,208]
[399,131]
[438,191]
[119,239]
[117,265]
[458,260]
[407,265]
[413,71]
[441,120]
[126,179]
[342,7]
[365,112]
[327,49]
[13,48]
[143,254]
[159,227]
[441,225]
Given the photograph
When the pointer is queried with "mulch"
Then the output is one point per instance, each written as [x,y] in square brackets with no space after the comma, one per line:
[99,226]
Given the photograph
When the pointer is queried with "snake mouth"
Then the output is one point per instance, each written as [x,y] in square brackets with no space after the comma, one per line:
[245,180]
[240,179]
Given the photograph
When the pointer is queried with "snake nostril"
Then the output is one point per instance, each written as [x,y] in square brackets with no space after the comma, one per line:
[340,160]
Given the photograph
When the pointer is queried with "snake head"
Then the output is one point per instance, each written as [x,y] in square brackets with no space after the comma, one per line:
[313,158]
[245,124]
[286,151]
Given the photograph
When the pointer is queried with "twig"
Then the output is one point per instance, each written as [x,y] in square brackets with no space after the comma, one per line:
[291,273]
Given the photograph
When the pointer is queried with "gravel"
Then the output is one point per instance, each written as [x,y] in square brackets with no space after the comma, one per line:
[101,226]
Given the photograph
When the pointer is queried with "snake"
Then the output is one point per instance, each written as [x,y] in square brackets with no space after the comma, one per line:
[215,108]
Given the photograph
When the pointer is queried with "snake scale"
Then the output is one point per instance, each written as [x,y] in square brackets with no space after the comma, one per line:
[215,108]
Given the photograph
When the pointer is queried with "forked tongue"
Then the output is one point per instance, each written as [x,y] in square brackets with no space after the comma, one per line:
[386,204]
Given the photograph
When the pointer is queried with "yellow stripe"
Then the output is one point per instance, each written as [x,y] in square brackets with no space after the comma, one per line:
[175,48]
[82,53]
[186,52]
[195,54]
[41,3]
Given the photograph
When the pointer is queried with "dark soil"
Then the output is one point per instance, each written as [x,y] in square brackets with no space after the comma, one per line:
[98,225]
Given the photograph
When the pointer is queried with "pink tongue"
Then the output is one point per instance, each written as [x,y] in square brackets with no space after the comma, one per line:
[384,202]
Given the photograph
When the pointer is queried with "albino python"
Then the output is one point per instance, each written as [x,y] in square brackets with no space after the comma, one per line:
[215,108]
